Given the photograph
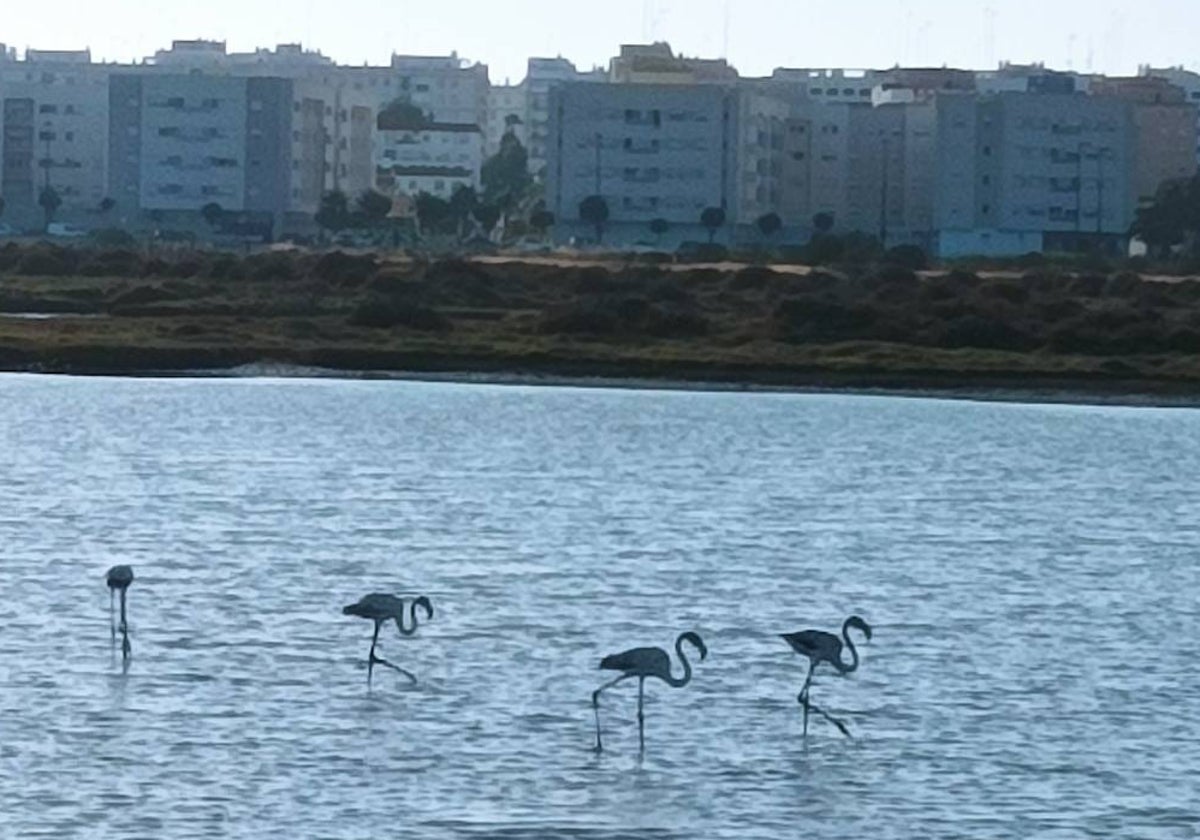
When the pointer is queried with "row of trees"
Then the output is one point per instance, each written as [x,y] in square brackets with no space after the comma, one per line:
[594,211]
[506,187]
[50,201]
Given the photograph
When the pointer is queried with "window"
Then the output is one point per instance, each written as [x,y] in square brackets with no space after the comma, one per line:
[47,109]
[175,102]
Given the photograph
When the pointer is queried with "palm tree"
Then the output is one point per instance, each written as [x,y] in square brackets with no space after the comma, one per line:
[713,218]
[594,211]
[659,227]
[49,200]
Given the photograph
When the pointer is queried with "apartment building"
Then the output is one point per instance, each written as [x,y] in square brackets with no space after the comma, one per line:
[447,88]
[651,151]
[1164,123]
[53,133]
[263,146]
[834,86]
[1019,173]
[414,157]
[542,75]
[1185,80]
[508,110]
[180,142]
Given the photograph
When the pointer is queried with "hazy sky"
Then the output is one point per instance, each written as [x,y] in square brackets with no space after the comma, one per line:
[1104,35]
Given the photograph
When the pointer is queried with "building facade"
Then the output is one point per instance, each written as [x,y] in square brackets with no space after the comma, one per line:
[53,134]
[652,152]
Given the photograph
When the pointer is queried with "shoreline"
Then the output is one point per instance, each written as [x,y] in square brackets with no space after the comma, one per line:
[1039,337]
[1041,391]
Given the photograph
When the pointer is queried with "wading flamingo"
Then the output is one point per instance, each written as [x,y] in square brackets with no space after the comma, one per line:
[644,663]
[819,647]
[382,608]
[119,579]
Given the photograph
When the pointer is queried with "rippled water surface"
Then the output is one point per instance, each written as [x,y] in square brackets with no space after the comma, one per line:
[1031,572]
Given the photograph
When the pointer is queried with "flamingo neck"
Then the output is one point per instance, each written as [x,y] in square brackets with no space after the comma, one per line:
[687,667]
[412,614]
[853,666]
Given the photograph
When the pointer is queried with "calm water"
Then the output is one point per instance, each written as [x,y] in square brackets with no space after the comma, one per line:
[1032,574]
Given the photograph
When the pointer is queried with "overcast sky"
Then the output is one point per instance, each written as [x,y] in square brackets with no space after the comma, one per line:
[1102,35]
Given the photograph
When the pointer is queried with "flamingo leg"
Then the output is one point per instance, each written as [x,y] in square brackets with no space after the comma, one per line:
[596,705]
[374,660]
[803,697]
[126,648]
[112,615]
[641,715]
[840,724]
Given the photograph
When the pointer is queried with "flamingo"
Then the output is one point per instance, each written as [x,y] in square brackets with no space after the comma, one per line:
[382,608]
[819,647]
[644,663]
[119,578]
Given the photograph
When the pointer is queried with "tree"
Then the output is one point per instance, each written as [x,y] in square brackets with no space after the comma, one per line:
[213,214]
[2,205]
[433,213]
[49,200]
[334,212]
[373,206]
[1172,219]
[463,202]
[593,210]
[488,215]
[769,224]
[659,227]
[401,115]
[823,223]
[713,218]
[505,175]
[541,221]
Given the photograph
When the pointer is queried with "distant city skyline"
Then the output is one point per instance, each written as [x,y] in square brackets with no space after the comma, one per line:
[755,35]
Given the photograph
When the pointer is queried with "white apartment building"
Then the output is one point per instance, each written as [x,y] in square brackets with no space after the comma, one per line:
[53,132]
[434,158]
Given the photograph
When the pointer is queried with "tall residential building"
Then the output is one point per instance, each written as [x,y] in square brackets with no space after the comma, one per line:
[1164,127]
[542,76]
[259,145]
[651,151]
[180,142]
[53,133]
[1019,173]
[1185,80]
